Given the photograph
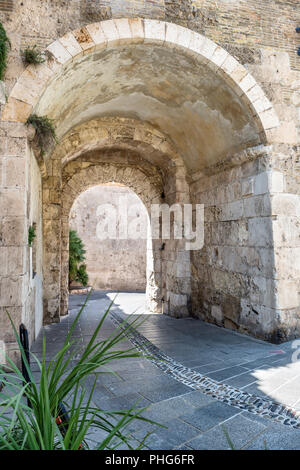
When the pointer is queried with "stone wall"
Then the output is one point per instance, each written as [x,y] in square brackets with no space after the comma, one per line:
[246,277]
[111,264]
[21,203]
[34,259]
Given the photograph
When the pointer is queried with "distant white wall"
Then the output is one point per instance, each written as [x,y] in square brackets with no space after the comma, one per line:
[111,264]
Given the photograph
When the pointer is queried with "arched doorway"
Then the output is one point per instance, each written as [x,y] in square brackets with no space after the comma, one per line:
[114,225]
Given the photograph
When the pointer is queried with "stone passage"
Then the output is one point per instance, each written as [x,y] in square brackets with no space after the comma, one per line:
[177,118]
[118,264]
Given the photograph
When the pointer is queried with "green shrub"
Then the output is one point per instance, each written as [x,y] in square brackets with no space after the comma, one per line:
[82,275]
[4,44]
[77,269]
[45,130]
[35,427]
[31,235]
[32,55]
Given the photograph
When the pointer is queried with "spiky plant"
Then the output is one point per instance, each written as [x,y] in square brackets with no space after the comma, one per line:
[33,424]
[32,55]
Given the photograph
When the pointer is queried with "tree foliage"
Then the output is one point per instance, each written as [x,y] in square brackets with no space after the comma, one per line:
[77,268]
[4,44]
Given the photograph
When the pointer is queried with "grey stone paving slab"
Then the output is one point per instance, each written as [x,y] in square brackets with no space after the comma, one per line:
[237,432]
[214,439]
[144,385]
[108,378]
[121,403]
[154,442]
[242,380]
[171,408]
[289,391]
[224,374]
[197,399]
[200,362]
[209,415]
[276,439]
[164,392]
[183,447]
[177,433]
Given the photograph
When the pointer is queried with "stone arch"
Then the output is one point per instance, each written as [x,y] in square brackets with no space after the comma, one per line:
[124,133]
[106,173]
[97,152]
[138,182]
[97,36]
[148,184]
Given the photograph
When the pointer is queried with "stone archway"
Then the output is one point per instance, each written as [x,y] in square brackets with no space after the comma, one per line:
[138,182]
[97,152]
[185,106]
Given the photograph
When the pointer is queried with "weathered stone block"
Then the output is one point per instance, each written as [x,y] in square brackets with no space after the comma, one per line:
[16,110]
[154,30]
[59,52]
[11,289]
[183,37]
[217,314]
[219,56]
[97,34]
[14,172]
[137,29]
[171,33]
[12,231]
[69,42]
[269,181]
[247,83]
[260,231]
[286,205]
[12,260]
[269,119]
[232,211]
[286,294]
[110,31]
[83,38]
[247,187]
[124,31]
[12,202]
[6,331]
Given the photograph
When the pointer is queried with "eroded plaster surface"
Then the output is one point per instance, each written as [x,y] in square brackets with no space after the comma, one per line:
[184,99]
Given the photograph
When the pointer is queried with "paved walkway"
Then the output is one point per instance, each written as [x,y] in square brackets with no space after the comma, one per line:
[210,378]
